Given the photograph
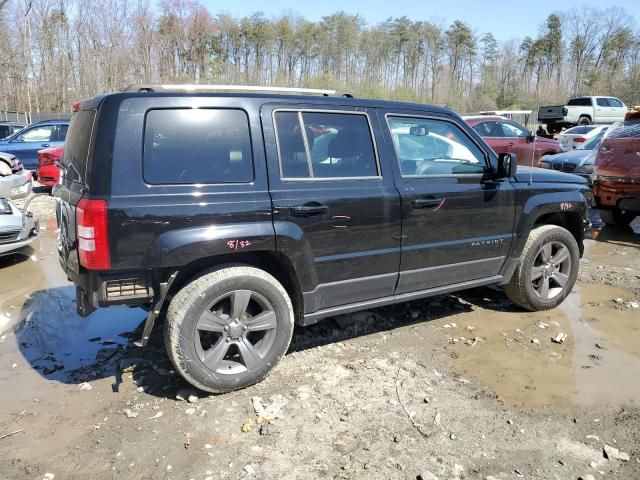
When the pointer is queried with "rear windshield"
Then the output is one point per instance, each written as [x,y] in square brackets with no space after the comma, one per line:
[76,145]
[580,102]
[579,130]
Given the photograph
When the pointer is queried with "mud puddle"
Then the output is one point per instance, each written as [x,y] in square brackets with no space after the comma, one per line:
[38,304]
[515,356]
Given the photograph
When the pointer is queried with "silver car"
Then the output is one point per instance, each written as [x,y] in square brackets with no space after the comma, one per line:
[16,230]
[15,181]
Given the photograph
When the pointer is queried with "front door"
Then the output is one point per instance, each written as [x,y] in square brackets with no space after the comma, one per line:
[335,207]
[518,143]
[457,221]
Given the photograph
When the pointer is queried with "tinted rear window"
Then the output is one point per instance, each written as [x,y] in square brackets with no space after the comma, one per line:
[579,130]
[183,146]
[76,145]
[580,102]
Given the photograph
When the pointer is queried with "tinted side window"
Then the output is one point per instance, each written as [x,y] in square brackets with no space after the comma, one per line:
[325,145]
[62,132]
[602,102]
[434,147]
[40,133]
[580,102]
[197,146]
[513,130]
[76,145]
[614,102]
[489,129]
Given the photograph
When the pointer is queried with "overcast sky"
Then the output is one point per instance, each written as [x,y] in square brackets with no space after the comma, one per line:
[505,19]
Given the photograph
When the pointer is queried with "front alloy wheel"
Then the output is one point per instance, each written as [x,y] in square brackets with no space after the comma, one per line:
[547,269]
[551,270]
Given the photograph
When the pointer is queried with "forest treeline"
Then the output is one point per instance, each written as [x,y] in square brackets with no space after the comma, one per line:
[55,52]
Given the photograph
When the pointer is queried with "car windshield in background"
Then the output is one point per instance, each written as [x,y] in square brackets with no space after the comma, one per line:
[593,142]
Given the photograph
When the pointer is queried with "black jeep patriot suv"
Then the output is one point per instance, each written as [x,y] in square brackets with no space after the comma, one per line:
[245,213]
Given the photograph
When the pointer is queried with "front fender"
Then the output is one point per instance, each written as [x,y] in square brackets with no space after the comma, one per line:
[180,247]
[535,203]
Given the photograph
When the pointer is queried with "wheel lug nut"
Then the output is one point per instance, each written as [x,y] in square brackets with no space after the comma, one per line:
[244,328]
[228,339]
[226,328]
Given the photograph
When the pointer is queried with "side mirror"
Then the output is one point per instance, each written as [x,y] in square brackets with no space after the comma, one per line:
[419,131]
[507,165]
[531,137]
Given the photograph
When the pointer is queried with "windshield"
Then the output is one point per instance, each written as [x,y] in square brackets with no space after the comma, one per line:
[593,142]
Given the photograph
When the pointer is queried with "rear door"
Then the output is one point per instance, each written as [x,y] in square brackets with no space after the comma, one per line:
[604,113]
[457,221]
[335,206]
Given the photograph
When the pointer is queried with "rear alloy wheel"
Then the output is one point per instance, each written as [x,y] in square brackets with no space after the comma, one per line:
[547,270]
[227,329]
[616,217]
[584,121]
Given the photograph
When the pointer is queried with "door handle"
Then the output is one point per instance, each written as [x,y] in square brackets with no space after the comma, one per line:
[510,144]
[308,210]
[426,202]
[44,145]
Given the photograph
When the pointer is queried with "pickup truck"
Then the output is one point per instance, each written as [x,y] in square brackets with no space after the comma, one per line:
[582,111]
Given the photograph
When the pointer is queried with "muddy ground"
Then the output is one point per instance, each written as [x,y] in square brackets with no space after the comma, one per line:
[458,386]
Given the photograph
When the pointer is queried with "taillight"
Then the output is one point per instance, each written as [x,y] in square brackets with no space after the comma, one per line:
[579,140]
[93,243]
[44,159]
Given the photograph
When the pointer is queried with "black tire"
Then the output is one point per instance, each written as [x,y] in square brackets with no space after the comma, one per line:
[616,218]
[528,293]
[584,120]
[193,324]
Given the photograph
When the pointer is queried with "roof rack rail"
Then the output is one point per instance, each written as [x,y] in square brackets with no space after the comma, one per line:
[157,87]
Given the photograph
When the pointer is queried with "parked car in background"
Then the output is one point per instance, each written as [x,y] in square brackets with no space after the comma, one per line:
[616,184]
[16,230]
[49,160]
[507,136]
[575,136]
[9,128]
[582,111]
[26,143]
[15,181]
[578,161]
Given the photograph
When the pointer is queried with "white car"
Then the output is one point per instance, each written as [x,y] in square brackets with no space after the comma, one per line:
[576,136]
[16,230]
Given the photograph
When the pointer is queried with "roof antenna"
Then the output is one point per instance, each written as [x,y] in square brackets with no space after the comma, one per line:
[533,156]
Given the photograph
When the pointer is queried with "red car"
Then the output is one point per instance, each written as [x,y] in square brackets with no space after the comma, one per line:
[617,172]
[49,165]
[506,136]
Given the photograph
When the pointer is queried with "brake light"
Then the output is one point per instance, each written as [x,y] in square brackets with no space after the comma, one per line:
[93,243]
[579,140]
[51,156]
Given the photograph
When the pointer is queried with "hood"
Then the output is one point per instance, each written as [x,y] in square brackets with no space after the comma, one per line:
[542,175]
[573,156]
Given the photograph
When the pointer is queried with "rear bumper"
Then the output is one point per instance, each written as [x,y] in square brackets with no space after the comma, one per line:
[622,195]
[49,175]
[105,289]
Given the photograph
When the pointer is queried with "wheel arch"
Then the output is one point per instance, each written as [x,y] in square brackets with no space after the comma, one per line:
[275,263]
